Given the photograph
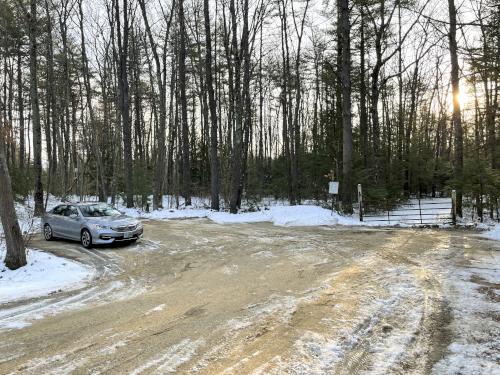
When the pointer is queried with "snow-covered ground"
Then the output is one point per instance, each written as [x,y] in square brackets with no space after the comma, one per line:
[274,211]
[303,215]
[44,274]
[493,234]
[473,294]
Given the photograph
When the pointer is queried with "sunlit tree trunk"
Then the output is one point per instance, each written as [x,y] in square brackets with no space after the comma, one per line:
[457,115]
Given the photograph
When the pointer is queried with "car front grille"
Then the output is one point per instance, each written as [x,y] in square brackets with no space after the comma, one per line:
[124,228]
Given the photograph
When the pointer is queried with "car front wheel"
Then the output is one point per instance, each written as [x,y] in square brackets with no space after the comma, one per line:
[47,232]
[86,239]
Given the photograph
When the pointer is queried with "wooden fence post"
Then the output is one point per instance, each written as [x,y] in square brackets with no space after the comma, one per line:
[454,207]
[360,200]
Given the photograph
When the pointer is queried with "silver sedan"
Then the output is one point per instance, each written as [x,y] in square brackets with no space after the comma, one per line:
[90,223]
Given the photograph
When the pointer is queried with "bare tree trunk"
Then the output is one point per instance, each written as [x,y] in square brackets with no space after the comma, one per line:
[363,114]
[16,253]
[457,115]
[123,85]
[159,177]
[236,167]
[400,92]
[298,101]
[214,156]
[186,166]
[284,99]
[50,104]
[345,77]
[35,110]
[96,133]
[20,106]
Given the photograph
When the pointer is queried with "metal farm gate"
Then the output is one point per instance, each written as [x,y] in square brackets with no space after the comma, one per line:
[415,212]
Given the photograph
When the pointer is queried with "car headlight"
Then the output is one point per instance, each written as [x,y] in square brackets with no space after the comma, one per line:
[139,225]
[98,226]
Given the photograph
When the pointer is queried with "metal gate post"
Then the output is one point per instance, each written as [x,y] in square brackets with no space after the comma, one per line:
[420,210]
[388,213]
[360,200]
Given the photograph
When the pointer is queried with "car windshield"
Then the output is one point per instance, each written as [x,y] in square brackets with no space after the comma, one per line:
[98,210]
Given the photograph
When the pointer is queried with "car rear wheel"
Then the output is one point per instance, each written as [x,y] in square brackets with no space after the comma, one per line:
[86,239]
[47,232]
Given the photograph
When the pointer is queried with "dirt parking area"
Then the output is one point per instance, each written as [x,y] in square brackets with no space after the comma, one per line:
[197,297]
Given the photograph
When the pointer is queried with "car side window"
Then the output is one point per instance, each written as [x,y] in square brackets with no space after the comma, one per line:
[59,210]
[71,210]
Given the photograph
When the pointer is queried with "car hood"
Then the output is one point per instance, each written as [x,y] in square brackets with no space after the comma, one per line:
[112,220]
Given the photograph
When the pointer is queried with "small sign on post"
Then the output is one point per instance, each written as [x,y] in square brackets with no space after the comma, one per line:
[333,189]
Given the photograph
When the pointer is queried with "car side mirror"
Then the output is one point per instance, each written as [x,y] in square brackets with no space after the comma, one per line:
[73,216]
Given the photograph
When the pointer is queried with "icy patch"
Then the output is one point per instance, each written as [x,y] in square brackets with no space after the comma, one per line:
[15,325]
[155,309]
[318,354]
[470,359]
[493,234]
[113,348]
[237,324]
[264,254]
[231,269]
[281,306]
[170,360]
[44,274]
[22,316]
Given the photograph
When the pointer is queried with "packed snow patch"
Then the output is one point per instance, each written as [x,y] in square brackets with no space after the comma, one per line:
[156,309]
[493,234]
[172,358]
[473,295]
[44,274]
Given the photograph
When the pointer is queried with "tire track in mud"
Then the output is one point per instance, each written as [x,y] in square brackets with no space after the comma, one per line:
[424,315]
[110,282]
[400,331]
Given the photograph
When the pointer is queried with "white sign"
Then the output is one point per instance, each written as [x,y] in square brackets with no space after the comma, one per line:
[333,187]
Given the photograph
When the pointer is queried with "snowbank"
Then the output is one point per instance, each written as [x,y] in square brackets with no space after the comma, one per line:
[493,234]
[304,215]
[270,210]
[44,274]
[274,211]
